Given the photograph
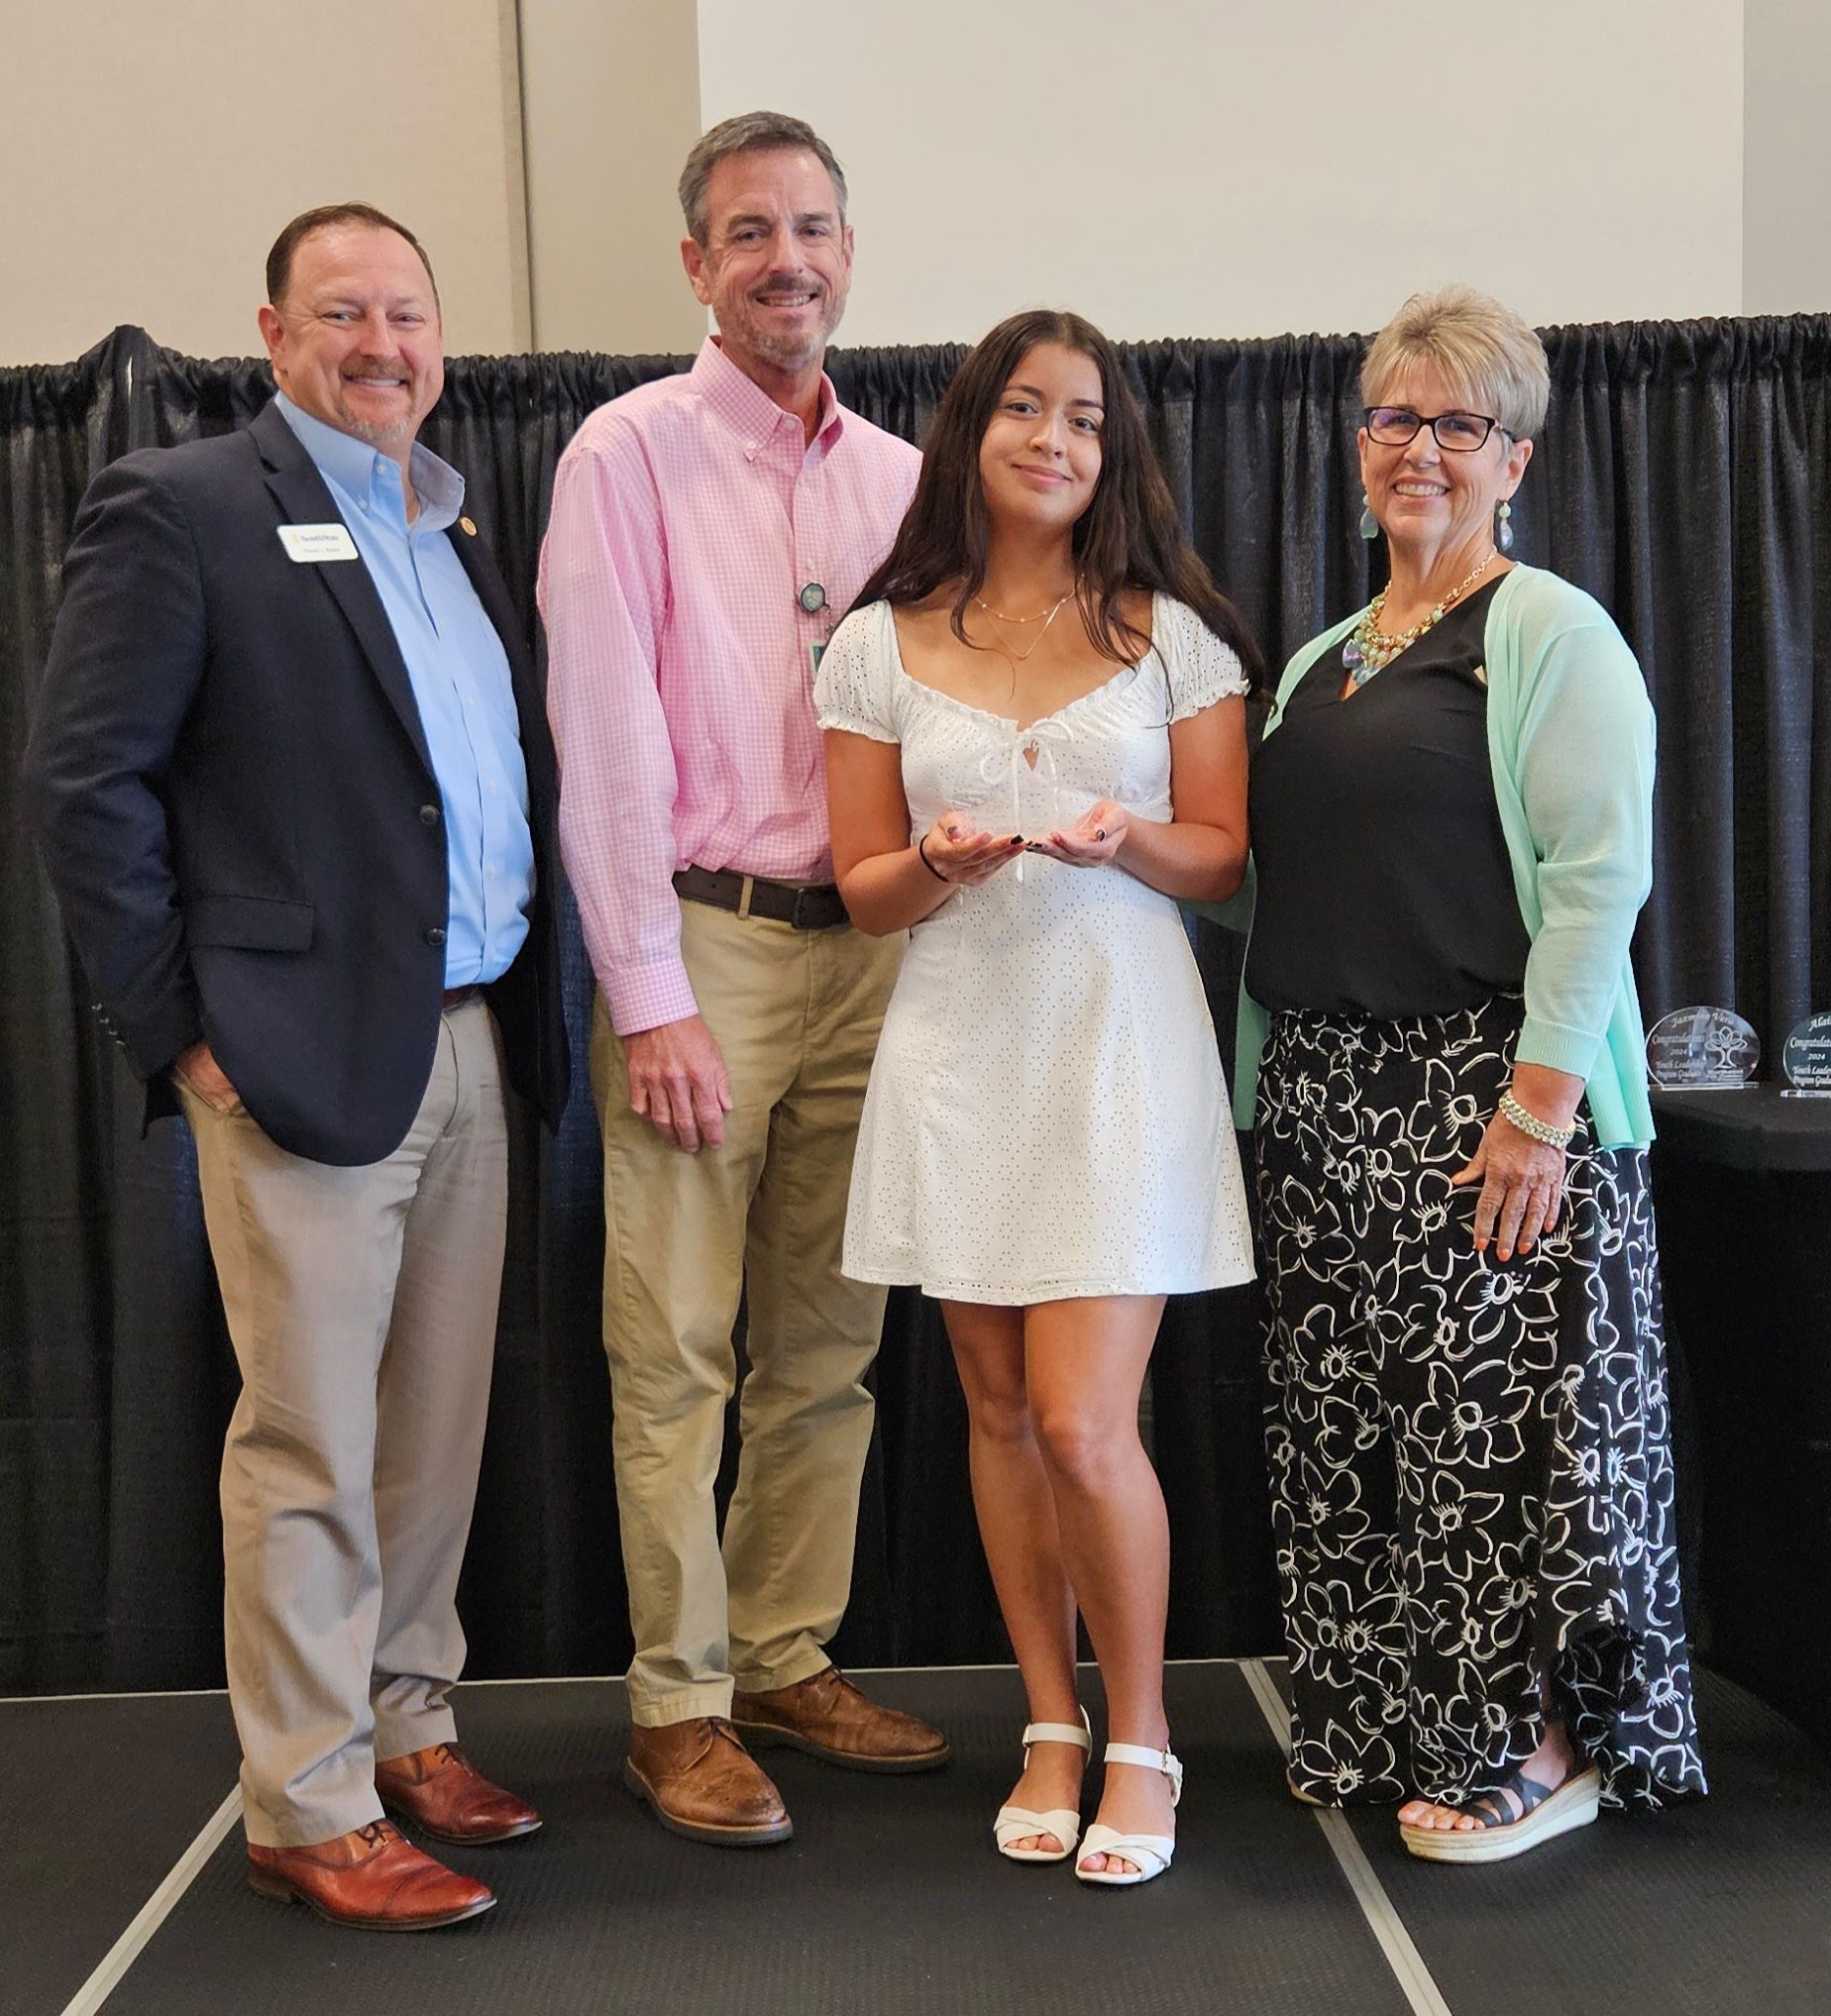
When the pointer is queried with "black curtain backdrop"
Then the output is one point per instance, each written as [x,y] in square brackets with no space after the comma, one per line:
[1681,479]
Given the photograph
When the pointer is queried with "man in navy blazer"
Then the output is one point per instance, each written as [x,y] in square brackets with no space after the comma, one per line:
[294,784]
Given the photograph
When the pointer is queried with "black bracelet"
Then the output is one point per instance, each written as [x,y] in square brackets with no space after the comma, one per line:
[922,848]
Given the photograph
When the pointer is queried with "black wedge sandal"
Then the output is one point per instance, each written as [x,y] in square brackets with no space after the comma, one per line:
[1544,1813]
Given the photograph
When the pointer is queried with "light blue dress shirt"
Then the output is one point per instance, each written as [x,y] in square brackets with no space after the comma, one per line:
[461,682]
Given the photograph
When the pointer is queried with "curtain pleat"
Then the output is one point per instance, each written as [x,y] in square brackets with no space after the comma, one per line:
[1681,479]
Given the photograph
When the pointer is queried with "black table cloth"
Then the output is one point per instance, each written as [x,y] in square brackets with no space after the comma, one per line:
[1742,1182]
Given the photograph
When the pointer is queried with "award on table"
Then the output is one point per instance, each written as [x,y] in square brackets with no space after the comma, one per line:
[1805,1059]
[1701,1049]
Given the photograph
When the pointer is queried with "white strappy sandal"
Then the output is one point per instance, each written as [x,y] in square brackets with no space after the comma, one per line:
[1019,1823]
[1149,1853]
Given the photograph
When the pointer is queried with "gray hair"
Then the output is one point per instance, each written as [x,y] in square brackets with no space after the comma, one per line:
[1485,352]
[748,133]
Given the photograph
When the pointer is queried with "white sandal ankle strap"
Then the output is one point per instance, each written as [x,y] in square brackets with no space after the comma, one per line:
[1165,1761]
[1081,1734]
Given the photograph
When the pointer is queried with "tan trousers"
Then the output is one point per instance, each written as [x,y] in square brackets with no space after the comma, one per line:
[362,1304]
[796,1015]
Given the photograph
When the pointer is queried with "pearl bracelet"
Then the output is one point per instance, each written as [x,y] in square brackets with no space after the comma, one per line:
[1530,1124]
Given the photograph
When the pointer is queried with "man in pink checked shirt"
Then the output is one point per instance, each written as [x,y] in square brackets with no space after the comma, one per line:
[706,533]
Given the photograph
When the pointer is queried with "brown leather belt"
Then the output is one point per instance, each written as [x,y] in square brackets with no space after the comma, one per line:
[455,996]
[810,907]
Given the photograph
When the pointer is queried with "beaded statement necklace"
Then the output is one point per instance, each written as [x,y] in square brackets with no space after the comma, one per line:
[1369,650]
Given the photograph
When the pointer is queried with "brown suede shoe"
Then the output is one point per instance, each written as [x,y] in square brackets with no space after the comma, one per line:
[829,1718]
[446,1796]
[703,1783]
[371,1879]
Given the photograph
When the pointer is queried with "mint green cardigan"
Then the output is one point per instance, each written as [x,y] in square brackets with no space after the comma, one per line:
[1570,740]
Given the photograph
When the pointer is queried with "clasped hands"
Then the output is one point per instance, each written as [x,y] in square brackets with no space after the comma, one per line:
[959,851]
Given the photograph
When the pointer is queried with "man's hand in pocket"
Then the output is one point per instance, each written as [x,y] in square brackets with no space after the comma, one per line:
[199,1070]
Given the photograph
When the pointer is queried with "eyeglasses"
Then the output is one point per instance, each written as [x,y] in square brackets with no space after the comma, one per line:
[1460,432]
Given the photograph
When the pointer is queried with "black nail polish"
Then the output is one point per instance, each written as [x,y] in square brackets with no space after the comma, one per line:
[1016,839]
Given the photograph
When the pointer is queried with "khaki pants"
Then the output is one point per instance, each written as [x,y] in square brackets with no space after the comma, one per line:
[796,1015]
[362,1304]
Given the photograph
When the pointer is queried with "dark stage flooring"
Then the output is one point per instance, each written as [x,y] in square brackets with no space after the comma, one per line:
[121,1885]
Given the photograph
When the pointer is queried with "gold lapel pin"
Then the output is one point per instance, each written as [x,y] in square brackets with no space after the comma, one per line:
[465,526]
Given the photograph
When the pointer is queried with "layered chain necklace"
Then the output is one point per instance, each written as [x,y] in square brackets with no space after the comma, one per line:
[1369,650]
[1043,616]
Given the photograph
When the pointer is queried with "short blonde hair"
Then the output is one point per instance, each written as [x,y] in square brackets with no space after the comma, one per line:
[1485,350]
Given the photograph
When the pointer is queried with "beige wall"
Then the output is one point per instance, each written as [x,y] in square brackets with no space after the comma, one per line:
[150,154]
[1176,167]
[1786,246]
[1182,167]
[612,93]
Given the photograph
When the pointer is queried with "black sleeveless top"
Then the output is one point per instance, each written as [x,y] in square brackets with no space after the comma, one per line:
[1384,886]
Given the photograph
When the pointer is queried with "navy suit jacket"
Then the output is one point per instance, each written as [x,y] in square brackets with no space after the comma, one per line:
[232,790]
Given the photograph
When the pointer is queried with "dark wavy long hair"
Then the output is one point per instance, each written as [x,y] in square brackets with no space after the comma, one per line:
[1130,537]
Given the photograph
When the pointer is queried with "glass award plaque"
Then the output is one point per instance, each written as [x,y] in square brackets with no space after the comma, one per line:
[1805,1059]
[1701,1049]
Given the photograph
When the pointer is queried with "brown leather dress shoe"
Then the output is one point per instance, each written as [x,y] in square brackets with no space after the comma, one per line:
[446,1796]
[372,1878]
[703,1783]
[829,1718]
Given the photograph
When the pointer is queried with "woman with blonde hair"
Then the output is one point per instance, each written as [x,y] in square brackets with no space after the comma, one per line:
[1442,1049]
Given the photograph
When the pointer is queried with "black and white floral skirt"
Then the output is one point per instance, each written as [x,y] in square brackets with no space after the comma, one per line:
[1471,1462]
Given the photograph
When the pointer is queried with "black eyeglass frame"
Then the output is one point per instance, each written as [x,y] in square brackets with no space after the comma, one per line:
[1430,420]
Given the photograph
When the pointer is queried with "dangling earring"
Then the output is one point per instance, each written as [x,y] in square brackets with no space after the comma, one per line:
[1503,527]
[1370,525]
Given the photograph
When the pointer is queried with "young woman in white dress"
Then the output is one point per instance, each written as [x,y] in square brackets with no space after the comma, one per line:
[1034,745]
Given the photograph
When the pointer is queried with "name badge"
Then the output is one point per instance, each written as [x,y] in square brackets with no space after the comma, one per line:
[310,543]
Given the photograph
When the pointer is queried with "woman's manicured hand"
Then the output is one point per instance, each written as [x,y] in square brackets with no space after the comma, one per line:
[1093,840]
[957,850]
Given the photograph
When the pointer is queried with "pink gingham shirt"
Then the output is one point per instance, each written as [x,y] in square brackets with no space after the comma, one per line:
[687,517]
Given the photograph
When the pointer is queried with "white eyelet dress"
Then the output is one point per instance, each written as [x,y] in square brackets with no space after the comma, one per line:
[1046,1116]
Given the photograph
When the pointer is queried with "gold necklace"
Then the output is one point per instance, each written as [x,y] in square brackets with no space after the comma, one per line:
[1043,616]
[1369,650]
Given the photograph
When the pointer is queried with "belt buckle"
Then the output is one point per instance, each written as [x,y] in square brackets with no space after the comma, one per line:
[796,919]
